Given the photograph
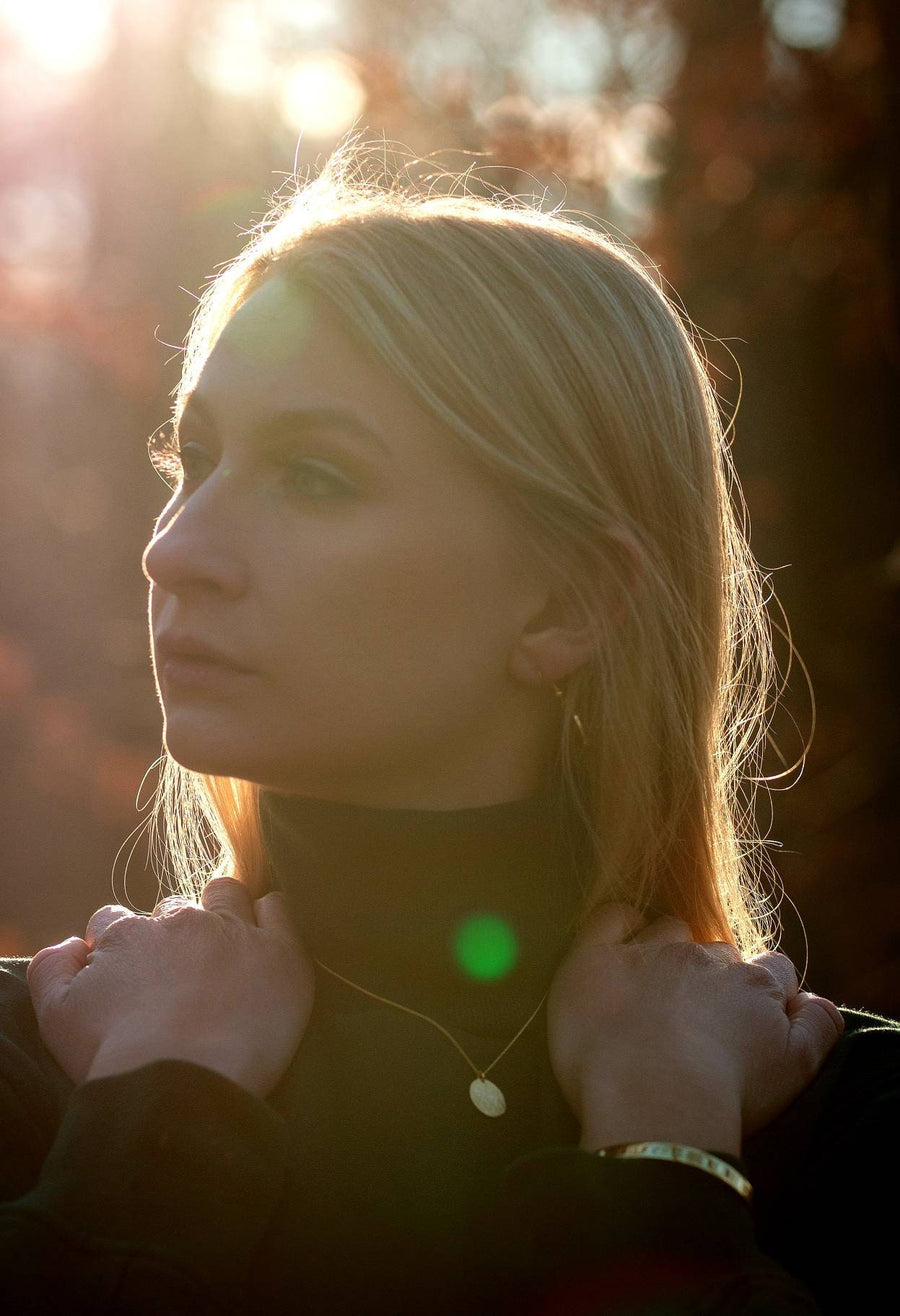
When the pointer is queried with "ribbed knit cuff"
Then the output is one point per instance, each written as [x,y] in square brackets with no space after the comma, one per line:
[632,1231]
[172,1160]
[591,1196]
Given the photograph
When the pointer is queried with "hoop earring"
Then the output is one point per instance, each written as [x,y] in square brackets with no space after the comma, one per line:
[560,694]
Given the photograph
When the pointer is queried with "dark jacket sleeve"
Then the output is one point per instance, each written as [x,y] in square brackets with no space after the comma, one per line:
[141,1192]
[647,1237]
[642,1238]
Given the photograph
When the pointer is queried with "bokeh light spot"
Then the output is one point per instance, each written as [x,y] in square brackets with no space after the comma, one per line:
[485,947]
[65,37]
[229,52]
[322,94]
[565,52]
[45,233]
[807,24]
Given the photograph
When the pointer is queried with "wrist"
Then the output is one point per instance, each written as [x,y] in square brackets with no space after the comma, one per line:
[120,1055]
[706,1135]
[700,1118]
[717,1164]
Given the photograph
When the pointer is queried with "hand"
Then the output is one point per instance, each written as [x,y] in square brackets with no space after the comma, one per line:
[663,1038]
[224,984]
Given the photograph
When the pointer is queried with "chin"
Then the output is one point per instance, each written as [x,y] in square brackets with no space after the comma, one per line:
[218,757]
[207,753]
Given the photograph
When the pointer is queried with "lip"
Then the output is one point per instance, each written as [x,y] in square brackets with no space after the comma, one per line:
[201,676]
[189,651]
[190,664]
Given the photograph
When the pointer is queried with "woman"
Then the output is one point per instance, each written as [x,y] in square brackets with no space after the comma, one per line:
[463,662]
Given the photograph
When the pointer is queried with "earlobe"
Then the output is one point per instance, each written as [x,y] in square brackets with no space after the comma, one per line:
[552,657]
[552,646]
[561,637]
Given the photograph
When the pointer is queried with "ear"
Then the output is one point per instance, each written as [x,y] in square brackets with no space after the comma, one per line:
[555,642]
[558,638]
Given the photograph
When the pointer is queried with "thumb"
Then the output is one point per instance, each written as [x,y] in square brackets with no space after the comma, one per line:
[51,970]
[272,914]
[816,1024]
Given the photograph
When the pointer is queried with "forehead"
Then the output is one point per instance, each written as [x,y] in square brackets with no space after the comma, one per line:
[282,351]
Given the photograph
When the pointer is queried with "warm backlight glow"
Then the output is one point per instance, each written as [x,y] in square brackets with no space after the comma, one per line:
[65,37]
[322,94]
[230,55]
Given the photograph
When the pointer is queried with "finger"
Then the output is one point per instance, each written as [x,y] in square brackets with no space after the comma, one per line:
[665,929]
[607,925]
[807,1000]
[170,905]
[272,914]
[52,969]
[225,895]
[104,918]
[781,969]
[816,1024]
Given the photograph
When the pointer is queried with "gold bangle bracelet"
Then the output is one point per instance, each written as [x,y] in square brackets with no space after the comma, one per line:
[676,1151]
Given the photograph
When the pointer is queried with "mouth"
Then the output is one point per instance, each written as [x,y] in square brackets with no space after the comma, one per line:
[187,662]
[186,648]
[181,671]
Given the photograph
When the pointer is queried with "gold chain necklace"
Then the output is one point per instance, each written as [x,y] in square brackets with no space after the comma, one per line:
[486,1096]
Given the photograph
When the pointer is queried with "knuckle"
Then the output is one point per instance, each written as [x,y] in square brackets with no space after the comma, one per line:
[781,966]
[181,915]
[107,913]
[110,922]
[114,935]
[171,906]
[757,975]
[829,1015]
[725,949]
[221,885]
[690,954]
[34,964]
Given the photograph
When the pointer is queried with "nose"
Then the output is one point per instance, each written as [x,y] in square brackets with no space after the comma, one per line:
[195,550]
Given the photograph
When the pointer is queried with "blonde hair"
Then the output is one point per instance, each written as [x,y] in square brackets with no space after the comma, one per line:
[550,351]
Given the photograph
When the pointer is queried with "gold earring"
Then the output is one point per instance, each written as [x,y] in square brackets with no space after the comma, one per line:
[560,694]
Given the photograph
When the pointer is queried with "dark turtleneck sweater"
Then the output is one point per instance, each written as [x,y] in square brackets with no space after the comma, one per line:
[367,1181]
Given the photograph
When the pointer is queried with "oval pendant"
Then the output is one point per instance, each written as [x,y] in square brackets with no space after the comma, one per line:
[487,1097]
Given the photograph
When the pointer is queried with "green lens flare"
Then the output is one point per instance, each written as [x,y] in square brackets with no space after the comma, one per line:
[485,947]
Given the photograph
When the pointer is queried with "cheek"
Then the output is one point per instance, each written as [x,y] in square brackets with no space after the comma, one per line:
[423,601]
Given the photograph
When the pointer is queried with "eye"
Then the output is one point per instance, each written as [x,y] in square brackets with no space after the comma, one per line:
[162,448]
[193,462]
[177,463]
[184,464]
[315,479]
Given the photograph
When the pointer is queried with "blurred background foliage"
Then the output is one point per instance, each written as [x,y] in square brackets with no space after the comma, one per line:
[745,146]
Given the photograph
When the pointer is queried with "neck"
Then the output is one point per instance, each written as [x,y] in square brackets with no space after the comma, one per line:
[479,777]
[490,759]
[387,897]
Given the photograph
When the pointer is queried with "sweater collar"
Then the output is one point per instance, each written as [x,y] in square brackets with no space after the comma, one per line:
[386,897]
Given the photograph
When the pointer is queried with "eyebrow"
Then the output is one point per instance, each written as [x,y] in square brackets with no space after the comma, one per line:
[308,419]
